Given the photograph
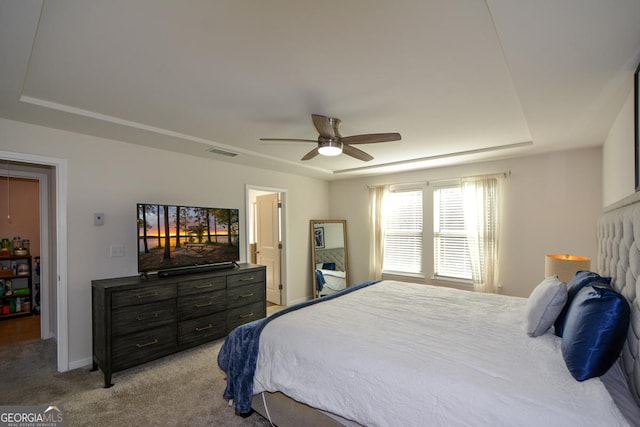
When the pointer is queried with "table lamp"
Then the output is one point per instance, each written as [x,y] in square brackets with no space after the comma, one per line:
[565,266]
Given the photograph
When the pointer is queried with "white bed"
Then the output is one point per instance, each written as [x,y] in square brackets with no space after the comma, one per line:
[334,281]
[330,272]
[395,353]
[408,354]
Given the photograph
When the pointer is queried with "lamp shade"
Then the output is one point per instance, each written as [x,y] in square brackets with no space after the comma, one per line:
[565,266]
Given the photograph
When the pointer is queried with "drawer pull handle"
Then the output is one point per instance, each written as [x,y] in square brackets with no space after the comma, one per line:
[206,304]
[151,316]
[155,341]
[246,295]
[246,279]
[244,316]
[208,285]
[204,328]
[147,295]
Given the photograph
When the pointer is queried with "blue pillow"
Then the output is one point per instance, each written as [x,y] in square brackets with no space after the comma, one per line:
[329,266]
[581,279]
[595,331]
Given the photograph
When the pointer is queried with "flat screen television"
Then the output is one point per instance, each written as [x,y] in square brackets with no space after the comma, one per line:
[176,238]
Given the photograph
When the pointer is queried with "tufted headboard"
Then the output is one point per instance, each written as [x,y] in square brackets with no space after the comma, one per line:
[619,257]
[335,255]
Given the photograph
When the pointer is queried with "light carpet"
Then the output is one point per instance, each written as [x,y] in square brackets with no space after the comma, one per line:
[182,389]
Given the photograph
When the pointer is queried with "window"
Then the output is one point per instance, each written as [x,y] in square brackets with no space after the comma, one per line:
[465,231]
[403,232]
[451,250]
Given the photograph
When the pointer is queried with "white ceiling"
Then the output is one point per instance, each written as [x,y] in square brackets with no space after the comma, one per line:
[452,76]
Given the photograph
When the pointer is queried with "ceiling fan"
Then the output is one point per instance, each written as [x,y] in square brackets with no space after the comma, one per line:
[331,143]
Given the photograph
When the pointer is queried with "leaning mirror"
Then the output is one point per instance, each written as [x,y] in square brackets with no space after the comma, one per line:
[329,258]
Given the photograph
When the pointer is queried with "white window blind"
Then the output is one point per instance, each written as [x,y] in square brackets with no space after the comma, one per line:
[403,232]
[450,241]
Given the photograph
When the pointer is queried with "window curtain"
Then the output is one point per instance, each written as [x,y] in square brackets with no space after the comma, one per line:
[480,199]
[377,197]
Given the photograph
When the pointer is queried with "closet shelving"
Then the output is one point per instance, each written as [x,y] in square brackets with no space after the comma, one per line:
[16,286]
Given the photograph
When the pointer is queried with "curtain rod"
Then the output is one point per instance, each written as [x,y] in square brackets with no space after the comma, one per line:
[489,175]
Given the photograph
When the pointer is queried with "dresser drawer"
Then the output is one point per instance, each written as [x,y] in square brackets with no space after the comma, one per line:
[134,349]
[139,317]
[191,287]
[201,304]
[245,294]
[142,295]
[197,331]
[246,313]
[245,278]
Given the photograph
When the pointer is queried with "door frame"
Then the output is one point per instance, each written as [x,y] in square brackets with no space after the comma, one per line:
[60,173]
[283,230]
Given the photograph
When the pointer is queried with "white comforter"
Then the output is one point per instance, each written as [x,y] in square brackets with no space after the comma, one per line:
[401,354]
[334,279]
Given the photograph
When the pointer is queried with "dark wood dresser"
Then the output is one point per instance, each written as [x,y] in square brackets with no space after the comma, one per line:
[136,320]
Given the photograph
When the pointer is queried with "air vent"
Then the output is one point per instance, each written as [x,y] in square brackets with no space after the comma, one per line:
[215,150]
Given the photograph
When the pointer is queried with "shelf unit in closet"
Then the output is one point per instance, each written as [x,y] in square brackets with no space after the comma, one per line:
[16,286]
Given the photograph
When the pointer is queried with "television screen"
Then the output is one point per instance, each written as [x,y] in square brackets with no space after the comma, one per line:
[171,236]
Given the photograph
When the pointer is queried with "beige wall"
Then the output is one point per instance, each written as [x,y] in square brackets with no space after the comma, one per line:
[551,204]
[110,177]
[618,168]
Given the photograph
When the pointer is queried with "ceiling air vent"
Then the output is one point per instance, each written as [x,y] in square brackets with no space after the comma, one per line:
[215,150]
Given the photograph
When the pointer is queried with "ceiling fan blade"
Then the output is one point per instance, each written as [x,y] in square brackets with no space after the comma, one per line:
[370,138]
[325,125]
[311,154]
[288,140]
[356,152]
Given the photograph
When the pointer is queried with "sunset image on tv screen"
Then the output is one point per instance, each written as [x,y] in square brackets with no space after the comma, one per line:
[171,236]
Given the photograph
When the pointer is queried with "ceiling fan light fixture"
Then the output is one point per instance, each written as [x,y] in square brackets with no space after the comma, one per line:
[331,143]
[330,148]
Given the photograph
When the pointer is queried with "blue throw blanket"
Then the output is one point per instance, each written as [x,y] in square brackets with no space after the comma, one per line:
[320,282]
[239,353]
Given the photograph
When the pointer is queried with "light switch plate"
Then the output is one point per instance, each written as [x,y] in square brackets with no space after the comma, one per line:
[98,219]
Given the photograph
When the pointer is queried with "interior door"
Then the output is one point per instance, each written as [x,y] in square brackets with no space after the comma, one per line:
[268,243]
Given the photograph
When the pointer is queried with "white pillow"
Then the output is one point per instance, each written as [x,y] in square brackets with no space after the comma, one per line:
[544,305]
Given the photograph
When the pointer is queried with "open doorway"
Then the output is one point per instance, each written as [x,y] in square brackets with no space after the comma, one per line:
[266,241]
[50,173]
[24,228]
[19,256]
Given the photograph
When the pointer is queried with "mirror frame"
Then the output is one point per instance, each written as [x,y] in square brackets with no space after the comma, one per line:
[312,224]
